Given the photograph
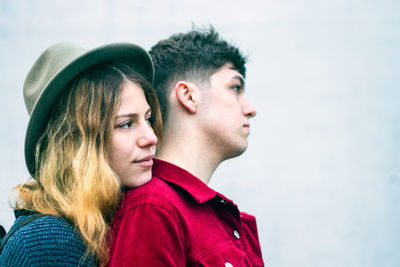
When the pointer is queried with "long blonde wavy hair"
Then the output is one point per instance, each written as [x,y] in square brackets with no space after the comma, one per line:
[73,178]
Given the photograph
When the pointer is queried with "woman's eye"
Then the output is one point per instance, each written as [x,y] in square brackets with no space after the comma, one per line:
[125,125]
[149,120]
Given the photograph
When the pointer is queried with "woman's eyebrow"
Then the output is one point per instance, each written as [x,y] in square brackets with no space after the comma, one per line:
[131,115]
[127,115]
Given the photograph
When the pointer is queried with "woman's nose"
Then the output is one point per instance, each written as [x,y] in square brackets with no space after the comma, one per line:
[148,137]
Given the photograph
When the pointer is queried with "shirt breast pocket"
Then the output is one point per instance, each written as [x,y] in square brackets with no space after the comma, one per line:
[224,255]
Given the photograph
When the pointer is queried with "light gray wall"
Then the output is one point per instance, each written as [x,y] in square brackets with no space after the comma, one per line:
[322,172]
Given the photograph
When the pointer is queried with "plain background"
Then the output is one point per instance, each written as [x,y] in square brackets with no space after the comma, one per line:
[322,171]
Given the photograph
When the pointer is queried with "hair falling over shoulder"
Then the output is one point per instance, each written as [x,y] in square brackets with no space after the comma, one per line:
[73,177]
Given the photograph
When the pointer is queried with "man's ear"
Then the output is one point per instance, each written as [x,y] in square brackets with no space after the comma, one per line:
[188,95]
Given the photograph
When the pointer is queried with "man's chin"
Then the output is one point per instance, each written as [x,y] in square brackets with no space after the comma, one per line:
[237,151]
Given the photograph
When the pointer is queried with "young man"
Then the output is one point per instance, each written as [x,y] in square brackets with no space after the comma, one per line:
[176,219]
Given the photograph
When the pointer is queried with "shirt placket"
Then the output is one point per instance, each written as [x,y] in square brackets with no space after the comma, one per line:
[230,214]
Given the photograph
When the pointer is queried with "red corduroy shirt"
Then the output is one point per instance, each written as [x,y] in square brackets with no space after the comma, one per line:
[177,220]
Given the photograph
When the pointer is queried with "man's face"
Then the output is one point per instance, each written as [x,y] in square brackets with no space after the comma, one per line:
[224,112]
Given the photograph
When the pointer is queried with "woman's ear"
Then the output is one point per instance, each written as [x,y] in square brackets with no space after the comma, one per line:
[188,95]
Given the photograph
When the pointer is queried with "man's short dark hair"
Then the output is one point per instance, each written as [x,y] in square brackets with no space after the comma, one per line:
[193,56]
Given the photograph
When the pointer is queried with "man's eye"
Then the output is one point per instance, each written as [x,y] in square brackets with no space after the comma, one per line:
[125,125]
[237,88]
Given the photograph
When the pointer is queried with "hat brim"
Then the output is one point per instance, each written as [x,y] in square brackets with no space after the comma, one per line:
[132,55]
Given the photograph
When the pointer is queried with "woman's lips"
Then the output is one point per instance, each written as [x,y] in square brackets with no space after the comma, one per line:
[145,162]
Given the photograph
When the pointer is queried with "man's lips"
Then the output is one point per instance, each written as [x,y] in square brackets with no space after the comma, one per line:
[145,162]
[246,125]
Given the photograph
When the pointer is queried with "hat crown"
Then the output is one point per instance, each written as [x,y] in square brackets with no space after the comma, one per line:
[49,64]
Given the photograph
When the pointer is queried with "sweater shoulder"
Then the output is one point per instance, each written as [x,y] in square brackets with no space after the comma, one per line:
[46,241]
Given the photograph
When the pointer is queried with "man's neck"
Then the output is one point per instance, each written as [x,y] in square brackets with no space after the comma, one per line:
[191,156]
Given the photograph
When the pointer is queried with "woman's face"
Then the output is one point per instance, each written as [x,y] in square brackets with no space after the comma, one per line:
[132,139]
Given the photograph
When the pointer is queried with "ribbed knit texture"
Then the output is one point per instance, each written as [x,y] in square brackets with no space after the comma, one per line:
[47,241]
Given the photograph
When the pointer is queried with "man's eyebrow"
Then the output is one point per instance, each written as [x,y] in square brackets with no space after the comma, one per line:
[240,79]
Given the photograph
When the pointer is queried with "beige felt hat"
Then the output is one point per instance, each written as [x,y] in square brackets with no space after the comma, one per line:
[56,67]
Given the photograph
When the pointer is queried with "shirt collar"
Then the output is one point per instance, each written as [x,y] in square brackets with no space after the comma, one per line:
[175,175]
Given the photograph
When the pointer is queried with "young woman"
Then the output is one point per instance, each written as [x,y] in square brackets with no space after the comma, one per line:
[90,134]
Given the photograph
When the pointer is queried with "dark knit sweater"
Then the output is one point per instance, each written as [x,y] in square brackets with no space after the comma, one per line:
[47,241]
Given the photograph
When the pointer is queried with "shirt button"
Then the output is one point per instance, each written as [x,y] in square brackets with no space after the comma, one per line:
[236,234]
[228,264]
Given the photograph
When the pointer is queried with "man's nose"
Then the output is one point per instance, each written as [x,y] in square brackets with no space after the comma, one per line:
[248,109]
